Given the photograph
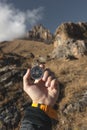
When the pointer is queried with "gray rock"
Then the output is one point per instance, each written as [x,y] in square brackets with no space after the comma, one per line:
[71,30]
[69,49]
[7,68]
[42,59]
[77,106]
[70,40]
[30,55]
[10,74]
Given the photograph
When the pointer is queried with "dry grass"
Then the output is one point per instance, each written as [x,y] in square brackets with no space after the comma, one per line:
[71,73]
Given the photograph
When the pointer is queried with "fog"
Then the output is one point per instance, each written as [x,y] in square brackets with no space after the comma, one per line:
[14,23]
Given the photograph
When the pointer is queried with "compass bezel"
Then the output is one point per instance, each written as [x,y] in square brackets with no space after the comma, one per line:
[36,72]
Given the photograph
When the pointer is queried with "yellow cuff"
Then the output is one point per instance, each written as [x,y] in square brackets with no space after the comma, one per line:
[47,109]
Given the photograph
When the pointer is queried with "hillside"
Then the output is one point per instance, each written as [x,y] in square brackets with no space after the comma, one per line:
[15,57]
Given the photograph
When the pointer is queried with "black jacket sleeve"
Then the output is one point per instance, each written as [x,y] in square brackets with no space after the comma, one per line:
[35,119]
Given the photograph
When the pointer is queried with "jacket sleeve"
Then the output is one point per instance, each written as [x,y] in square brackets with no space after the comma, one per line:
[35,119]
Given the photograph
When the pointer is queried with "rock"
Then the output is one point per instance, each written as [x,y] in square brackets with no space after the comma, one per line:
[10,116]
[10,83]
[40,33]
[10,76]
[70,40]
[11,59]
[30,55]
[7,76]
[70,49]
[77,106]
[71,31]
[42,59]
[6,68]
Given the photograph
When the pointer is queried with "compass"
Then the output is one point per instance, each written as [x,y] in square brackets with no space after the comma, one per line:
[36,72]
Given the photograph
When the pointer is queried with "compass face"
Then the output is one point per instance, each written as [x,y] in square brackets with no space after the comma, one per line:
[36,72]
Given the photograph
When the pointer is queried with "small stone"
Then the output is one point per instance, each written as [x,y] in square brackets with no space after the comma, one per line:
[30,55]
[42,59]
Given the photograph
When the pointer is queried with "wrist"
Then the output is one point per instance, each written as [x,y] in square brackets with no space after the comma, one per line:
[47,103]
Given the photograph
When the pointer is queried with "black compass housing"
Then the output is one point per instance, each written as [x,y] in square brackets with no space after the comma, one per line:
[36,72]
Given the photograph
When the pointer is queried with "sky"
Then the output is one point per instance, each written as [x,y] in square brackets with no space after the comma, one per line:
[18,16]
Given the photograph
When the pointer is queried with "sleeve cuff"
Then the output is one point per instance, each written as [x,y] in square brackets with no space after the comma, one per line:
[36,116]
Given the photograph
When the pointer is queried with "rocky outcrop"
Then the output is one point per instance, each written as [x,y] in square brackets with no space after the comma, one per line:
[78,105]
[70,40]
[12,101]
[40,33]
[70,49]
[71,31]
[68,112]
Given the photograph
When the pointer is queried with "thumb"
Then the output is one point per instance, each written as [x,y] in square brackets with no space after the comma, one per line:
[26,78]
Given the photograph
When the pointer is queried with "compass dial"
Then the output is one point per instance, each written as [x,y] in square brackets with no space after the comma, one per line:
[36,72]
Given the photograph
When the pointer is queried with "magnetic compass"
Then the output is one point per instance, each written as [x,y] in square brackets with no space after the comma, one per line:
[36,72]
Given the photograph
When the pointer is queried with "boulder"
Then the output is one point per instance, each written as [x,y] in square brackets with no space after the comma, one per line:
[69,49]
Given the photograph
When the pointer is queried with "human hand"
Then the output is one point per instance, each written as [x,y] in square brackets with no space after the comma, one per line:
[43,91]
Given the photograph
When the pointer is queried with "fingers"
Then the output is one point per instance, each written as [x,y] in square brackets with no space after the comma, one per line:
[45,76]
[54,84]
[54,88]
[49,79]
[48,82]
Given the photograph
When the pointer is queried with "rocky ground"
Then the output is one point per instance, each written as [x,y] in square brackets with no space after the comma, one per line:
[15,57]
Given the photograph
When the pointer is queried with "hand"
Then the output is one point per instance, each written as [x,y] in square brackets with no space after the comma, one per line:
[43,91]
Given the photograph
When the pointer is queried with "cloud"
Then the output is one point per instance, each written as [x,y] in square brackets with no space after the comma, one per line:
[14,23]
